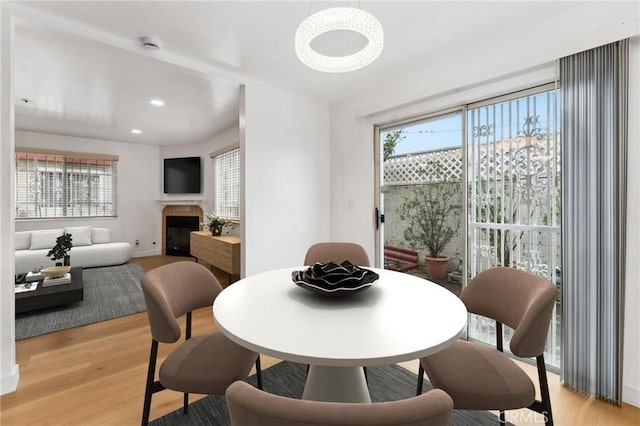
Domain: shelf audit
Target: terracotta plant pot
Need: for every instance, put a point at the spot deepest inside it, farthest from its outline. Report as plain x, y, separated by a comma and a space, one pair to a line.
436, 266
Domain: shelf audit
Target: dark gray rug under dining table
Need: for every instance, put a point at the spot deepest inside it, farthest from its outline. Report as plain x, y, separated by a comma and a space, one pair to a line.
109, 292
386, 383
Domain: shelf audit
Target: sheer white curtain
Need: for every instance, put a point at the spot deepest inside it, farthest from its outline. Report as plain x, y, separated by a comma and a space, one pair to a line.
594, 90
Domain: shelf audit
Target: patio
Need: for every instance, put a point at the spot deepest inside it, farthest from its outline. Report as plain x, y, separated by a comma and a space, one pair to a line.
443, 282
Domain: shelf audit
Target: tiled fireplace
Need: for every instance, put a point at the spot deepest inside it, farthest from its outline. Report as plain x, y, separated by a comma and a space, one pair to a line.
177, 222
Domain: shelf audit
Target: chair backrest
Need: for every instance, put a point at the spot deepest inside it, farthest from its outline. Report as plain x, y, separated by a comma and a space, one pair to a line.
172, 290
519, 299
336, 252
249, 406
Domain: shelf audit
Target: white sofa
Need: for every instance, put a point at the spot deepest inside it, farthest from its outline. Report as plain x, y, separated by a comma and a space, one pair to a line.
91, 247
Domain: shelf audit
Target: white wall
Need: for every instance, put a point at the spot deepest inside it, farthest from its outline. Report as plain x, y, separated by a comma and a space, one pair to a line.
139, 213
284, 142
453, 83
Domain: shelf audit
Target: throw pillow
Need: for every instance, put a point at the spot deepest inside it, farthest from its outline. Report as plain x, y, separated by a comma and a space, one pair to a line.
100, 236
80, 235
44, 239
23, 240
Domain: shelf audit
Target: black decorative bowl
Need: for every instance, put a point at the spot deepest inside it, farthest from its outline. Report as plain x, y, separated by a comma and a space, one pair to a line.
332, 279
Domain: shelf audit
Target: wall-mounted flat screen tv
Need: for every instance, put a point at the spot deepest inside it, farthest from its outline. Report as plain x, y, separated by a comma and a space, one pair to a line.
182, 175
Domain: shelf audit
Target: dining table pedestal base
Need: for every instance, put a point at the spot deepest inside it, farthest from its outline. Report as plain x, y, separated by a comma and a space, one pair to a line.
336, 384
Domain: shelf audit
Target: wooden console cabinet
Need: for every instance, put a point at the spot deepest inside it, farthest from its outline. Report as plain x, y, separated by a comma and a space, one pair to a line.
223, 251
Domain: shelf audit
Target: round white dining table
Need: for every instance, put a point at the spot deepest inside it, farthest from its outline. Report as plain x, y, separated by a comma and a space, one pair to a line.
400, 318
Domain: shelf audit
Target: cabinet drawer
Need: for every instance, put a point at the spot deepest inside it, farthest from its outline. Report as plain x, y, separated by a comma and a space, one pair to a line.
224, 249
225, 264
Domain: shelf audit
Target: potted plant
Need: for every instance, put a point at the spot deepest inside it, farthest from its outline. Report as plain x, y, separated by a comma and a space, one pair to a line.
61, 249
433, 212
216, 224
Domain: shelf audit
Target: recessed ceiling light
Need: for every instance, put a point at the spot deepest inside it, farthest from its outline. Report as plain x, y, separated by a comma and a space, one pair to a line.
136, 131
157, 102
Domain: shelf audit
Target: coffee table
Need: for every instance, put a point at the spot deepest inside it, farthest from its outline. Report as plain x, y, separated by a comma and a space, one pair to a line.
55, 295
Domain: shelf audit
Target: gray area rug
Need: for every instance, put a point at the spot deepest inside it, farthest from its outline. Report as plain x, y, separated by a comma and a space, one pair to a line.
386, 383
109, 292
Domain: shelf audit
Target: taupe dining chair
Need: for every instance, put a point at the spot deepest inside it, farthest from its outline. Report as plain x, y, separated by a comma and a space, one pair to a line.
336, 252
204, 364
480, 377
249, 406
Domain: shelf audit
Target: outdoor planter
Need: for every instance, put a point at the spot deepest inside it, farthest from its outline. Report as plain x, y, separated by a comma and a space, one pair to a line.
436, 267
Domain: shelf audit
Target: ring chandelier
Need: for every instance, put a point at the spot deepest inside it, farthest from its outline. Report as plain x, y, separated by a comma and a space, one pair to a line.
334, 19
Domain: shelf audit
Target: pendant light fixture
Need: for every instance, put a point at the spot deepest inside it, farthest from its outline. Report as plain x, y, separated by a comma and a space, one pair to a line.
335, 19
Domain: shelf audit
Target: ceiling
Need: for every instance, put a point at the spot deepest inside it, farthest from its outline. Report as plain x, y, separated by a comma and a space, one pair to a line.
85, 88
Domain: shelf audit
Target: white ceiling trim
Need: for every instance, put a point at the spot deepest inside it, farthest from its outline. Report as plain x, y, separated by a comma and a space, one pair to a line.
534, 76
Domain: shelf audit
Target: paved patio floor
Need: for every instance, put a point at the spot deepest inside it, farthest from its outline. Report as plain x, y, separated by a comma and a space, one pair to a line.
452, 287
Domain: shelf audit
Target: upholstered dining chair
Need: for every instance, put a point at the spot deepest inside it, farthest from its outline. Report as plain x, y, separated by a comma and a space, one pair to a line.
249, 406
336, 252
204, 364
480, 377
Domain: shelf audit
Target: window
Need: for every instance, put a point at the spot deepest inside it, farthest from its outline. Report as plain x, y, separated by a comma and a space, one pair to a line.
52, 184
226, 167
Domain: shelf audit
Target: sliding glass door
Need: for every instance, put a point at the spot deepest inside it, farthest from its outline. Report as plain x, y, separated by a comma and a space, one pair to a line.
479, 186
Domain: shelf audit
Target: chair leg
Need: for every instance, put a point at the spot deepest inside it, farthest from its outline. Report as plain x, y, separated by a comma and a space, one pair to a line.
544, 391
259, 372
503, 420
187, 336
149, 387
420, 378
366, 376
544, 405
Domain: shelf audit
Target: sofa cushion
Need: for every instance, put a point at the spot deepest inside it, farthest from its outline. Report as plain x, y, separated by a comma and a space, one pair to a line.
80, 235
27, 260
44, 239
100, 235
23, 240
100, 254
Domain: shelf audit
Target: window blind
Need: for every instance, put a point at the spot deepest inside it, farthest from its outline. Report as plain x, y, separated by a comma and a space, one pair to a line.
63, 185
227, 184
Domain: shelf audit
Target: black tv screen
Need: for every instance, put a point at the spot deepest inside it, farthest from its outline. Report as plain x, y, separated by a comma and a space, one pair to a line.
182, 175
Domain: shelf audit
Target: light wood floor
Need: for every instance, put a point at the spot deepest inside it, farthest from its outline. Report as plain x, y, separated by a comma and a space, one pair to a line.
95, 375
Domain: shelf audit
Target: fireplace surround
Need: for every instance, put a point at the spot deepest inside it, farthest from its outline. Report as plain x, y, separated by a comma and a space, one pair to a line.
177, 223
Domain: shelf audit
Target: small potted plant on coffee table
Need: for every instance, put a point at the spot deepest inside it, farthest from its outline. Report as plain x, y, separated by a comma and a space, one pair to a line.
61, 250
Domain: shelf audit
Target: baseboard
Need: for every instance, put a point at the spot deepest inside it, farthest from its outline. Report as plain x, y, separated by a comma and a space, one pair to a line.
9, 383
631, 395
155, 252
